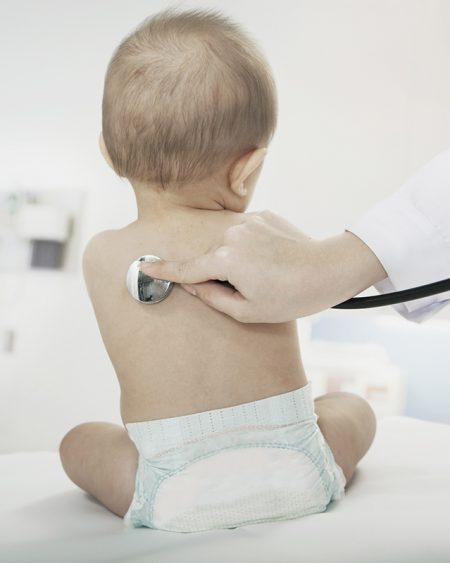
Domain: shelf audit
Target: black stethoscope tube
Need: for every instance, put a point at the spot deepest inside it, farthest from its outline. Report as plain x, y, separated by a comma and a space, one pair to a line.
396, 296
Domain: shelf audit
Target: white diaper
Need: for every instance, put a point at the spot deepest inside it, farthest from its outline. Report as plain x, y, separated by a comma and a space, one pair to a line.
256, 462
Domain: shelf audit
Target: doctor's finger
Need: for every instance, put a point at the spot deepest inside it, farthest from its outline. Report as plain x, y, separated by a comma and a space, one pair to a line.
202, 268
222, 298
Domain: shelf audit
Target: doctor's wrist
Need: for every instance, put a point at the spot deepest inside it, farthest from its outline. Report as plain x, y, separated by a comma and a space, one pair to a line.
352, 266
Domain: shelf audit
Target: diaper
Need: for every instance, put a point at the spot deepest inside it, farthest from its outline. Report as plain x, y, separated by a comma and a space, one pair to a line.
257, 462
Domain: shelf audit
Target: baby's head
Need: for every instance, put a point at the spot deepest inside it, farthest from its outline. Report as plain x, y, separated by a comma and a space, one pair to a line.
188, 97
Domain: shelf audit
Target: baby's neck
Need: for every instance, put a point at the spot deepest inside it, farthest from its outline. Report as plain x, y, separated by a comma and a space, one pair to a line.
172, 217
154, 202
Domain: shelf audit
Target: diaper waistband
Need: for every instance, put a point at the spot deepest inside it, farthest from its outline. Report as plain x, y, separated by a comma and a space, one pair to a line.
278, 410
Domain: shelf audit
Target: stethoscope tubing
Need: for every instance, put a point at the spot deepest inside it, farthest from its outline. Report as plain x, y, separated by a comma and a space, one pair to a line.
396, 296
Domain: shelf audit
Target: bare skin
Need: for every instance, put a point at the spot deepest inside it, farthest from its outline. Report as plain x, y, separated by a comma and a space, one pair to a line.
181, 356
264, 250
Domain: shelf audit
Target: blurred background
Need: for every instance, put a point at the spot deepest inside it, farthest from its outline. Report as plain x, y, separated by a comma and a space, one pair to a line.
364, 94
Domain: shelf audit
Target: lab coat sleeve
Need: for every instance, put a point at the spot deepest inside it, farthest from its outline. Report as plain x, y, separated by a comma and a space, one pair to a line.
410, 234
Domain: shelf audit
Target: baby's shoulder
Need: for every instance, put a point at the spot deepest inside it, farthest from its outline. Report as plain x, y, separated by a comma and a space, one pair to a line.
98, 248
98, 256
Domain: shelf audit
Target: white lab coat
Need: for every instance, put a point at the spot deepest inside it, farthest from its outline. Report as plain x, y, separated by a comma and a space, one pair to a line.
410, 234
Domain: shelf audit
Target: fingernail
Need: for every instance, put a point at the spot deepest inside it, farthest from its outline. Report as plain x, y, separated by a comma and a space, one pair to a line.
189, 288
145, 268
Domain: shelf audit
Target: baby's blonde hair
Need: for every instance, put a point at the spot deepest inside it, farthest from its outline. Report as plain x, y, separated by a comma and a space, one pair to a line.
184, 93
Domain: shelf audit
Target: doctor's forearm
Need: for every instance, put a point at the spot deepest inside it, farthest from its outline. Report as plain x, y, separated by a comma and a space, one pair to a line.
350, 265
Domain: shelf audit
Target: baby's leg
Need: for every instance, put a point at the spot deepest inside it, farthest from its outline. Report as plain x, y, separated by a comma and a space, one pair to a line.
348, 424
100, 458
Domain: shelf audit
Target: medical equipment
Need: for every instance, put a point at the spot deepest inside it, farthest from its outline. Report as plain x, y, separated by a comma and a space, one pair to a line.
152, 290
396, 296
145, 288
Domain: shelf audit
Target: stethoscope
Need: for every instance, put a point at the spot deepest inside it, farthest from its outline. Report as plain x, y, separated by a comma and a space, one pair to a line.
148, 290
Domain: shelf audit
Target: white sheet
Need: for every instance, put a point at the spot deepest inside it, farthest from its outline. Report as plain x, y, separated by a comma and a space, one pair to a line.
395, 511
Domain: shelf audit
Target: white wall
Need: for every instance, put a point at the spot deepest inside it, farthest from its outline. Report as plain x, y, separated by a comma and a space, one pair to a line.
364, 94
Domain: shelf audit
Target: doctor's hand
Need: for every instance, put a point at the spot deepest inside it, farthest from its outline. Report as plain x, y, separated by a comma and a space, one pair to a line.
277, 273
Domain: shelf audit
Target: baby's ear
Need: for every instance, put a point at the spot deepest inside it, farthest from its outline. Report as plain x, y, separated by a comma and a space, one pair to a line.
242, 169
104, 150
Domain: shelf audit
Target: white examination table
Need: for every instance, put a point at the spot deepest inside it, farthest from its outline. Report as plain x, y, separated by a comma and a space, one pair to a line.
396, 510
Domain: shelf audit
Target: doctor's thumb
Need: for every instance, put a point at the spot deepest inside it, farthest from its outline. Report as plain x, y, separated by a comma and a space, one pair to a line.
220, 297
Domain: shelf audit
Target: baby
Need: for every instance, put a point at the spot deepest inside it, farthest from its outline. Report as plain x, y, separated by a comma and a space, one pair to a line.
220, 429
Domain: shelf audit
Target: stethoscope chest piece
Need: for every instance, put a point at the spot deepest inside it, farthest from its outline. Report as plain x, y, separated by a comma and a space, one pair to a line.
146, 289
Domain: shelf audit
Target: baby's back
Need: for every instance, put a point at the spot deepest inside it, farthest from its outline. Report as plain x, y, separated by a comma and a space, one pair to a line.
180, 356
